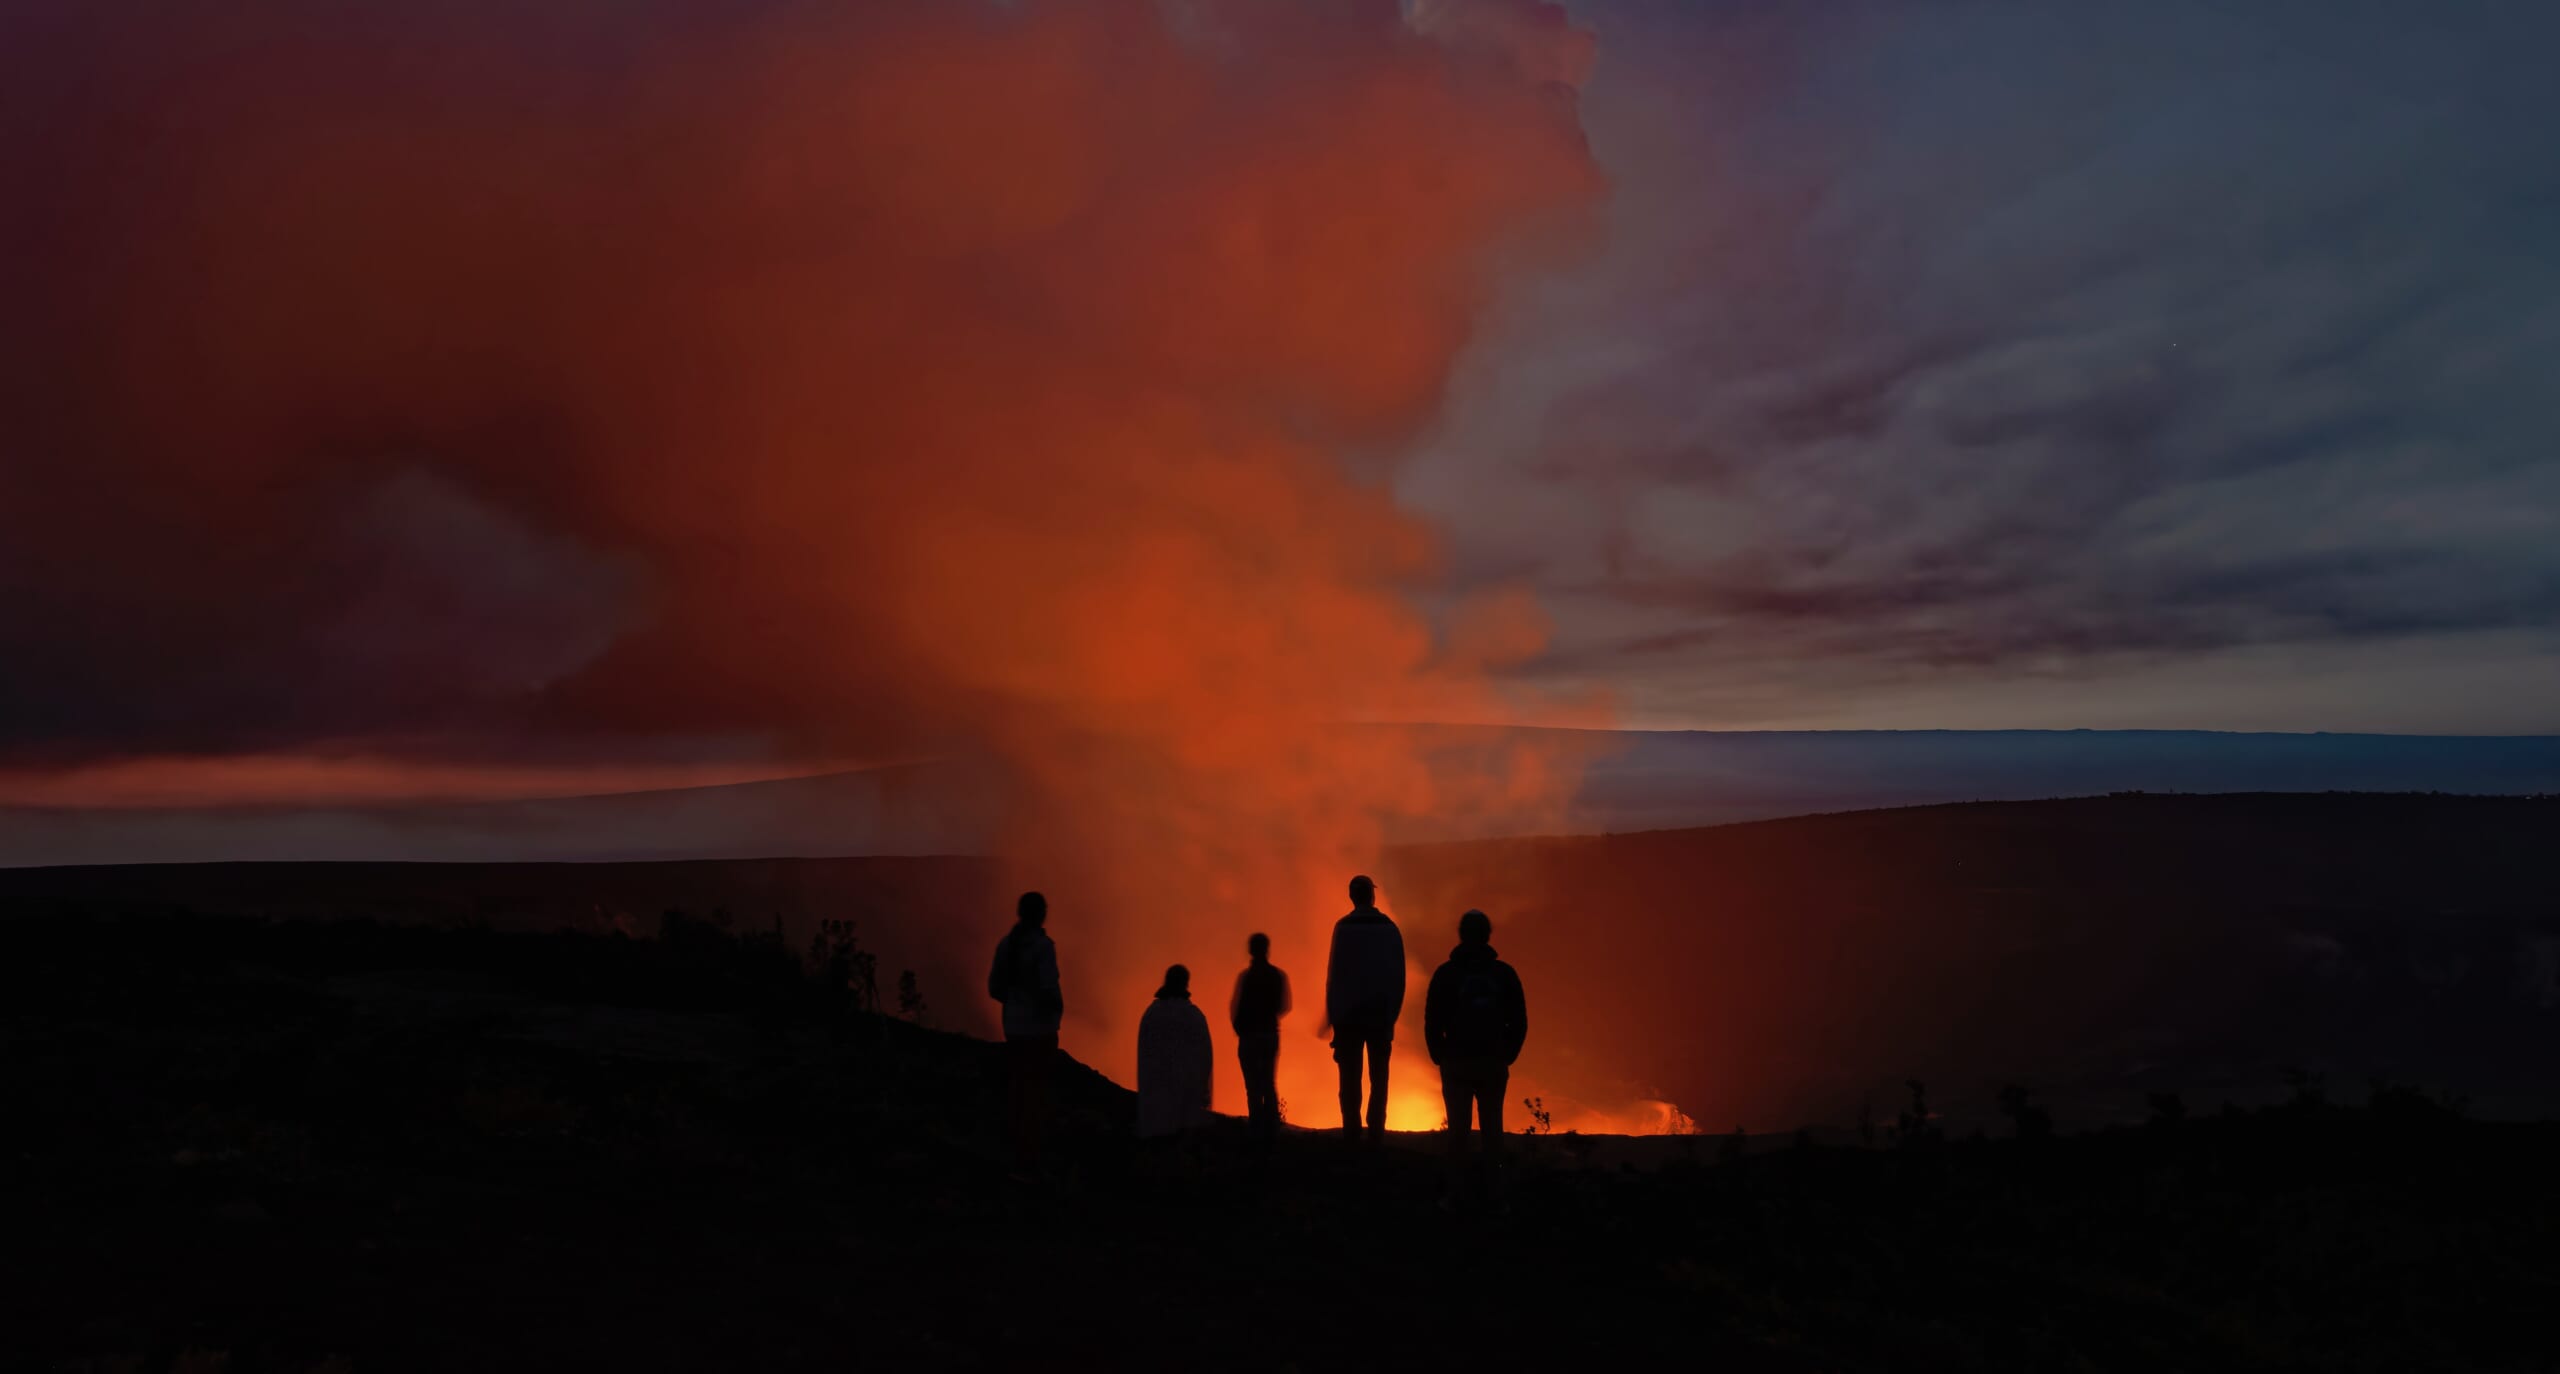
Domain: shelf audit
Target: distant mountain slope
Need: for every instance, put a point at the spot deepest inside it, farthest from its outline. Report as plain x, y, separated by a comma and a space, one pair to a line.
1664, 779
1779, 972
2098, 950
1636, 781
922, 809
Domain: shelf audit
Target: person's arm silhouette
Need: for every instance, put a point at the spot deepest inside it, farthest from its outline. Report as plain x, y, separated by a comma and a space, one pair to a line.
1515, 1019
1396, 978
1051, 992
1332, 980
1437, 1012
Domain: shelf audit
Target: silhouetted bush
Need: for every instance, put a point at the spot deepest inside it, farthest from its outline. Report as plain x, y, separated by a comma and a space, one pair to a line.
838, 960
2027, 1120
2309, 1089
2400, 1103
1917, 1127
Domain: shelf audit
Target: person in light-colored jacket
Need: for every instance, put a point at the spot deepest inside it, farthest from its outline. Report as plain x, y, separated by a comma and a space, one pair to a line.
1174, 1060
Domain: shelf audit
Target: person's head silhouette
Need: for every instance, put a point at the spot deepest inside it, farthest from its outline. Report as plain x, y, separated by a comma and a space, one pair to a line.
1258, 945
1031, 909
1363, 892
1177, 982
1475, 928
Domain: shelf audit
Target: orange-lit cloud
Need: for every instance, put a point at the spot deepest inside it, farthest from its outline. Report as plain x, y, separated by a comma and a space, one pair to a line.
316, 779
859, 380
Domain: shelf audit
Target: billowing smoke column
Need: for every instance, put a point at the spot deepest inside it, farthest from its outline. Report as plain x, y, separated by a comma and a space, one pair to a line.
586, 380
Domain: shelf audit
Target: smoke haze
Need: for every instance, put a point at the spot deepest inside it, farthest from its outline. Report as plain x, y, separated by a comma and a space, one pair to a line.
591, 384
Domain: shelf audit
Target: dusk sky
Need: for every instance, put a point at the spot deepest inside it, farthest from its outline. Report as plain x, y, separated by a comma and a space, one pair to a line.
2177, 364
583, 386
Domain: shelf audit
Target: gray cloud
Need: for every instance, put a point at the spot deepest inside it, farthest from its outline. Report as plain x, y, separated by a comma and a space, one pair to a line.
1989, 342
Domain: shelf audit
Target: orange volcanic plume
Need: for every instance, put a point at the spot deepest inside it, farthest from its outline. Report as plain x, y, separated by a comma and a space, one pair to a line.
866, 380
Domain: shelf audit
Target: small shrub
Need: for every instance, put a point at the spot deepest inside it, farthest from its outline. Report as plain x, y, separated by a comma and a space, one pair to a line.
2309, 1089
2401, 1102
1917, 1126
2027, 1120
838, 961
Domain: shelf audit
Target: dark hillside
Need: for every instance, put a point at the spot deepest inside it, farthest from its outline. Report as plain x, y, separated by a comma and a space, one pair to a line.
2099, 949
292, 1146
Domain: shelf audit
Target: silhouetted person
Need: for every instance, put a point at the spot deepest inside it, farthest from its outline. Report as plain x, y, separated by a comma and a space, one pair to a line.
1474, 1020
1363, 996
1174, 1060
1024, 978
1261, 998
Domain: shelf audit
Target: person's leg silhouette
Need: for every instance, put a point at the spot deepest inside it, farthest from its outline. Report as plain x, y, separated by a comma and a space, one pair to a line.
1458, 1099
1350, 1046
1381, 1046
1258, 1054
1346, 1059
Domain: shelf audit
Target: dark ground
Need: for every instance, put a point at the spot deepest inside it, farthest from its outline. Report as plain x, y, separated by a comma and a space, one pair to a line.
301, 1146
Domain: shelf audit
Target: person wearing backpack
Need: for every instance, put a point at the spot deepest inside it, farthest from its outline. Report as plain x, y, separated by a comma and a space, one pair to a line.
1024, 979
1474, 1020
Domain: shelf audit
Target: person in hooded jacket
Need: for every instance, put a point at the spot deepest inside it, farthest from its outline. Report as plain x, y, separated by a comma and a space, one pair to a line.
1474, 1020
1363, 996
1174, 1060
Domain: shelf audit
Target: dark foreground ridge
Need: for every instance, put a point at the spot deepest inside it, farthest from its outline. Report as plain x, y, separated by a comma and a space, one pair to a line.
300, 1146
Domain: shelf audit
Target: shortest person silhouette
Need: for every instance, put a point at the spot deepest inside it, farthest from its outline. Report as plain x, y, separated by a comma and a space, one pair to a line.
1174, 1061
1474, 1020
1254, 1010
